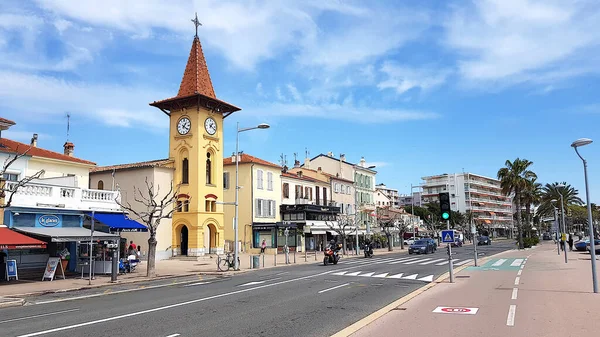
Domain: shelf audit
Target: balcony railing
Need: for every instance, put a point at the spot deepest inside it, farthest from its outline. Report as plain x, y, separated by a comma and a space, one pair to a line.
40, 195
491, 209
493, 201
499, 218
479, 190
483, 183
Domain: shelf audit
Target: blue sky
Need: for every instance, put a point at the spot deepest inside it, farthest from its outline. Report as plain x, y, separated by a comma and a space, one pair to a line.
424, 88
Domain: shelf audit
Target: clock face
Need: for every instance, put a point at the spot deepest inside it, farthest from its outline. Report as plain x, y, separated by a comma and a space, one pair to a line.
184, 125
211, 126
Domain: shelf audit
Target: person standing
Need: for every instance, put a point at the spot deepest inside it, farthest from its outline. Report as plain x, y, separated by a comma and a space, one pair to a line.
570, 242
263, 246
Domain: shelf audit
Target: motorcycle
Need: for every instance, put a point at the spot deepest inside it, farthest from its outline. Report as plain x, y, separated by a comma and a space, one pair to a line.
331, 255
368, 249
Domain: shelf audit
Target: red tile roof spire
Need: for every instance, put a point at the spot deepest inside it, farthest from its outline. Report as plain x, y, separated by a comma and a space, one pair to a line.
196, 79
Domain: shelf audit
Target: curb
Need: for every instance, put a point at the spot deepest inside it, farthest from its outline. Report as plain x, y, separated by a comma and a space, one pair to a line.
383, 311
16, 302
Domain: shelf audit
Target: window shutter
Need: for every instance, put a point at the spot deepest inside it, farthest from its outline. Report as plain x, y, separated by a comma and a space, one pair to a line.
270, 181
258, 207
265, 208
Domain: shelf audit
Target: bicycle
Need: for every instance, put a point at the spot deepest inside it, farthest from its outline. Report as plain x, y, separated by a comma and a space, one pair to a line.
224, 264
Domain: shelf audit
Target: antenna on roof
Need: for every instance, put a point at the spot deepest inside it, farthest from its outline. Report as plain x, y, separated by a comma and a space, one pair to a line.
68, 125
307, 153
295, 157
281, 160
285, 159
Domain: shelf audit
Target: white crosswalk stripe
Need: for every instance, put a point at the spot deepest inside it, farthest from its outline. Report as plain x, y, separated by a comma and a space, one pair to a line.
463, 262
516, 262
399, 276
498, 263
432, 261
404, 260
417, 261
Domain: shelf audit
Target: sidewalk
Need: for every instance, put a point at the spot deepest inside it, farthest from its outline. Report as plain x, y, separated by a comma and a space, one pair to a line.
164, 269
540, 297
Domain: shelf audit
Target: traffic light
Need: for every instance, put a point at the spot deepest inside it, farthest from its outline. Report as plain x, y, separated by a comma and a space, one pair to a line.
445, 205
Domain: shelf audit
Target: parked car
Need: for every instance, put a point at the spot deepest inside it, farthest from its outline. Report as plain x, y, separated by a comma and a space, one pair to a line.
410, 241
484, 240
547, 236
582, 245
596, 246
421, 246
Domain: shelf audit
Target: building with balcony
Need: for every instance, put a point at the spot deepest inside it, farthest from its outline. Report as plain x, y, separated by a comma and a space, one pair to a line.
391, 193
259, 198
382, 200
405, 200
475, 193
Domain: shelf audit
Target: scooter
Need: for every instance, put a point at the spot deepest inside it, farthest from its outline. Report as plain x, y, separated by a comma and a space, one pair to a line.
368, 249
331, 256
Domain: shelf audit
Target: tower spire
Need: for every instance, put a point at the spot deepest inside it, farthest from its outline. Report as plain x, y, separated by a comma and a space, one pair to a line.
196, 78
196, 23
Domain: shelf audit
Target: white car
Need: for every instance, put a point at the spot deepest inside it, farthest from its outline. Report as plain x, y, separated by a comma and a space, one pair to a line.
410, 241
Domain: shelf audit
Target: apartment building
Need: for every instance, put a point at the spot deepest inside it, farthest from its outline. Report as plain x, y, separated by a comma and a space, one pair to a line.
391, 193
409, 200
472, 192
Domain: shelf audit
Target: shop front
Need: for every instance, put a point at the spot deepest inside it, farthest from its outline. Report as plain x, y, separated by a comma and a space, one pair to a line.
315, 224
275, 236
12, 247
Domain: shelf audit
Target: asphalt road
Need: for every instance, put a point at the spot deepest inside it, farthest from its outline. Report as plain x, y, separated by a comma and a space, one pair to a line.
305, 300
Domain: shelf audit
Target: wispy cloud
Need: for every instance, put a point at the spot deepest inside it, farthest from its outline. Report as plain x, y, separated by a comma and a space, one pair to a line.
402, 78
24, 136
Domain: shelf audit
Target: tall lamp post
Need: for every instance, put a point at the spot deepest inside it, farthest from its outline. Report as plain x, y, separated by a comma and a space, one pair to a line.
563, 239
237, 186
575, 145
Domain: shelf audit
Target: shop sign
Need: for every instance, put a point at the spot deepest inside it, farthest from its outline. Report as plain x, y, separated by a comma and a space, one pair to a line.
48, 220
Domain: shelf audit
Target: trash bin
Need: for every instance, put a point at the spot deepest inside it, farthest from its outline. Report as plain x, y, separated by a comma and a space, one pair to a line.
255, 261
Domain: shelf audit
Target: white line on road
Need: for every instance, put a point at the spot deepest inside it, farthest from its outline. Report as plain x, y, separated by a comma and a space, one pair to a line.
285, 272
514, 294
258, 282
510, 320
462, 262
442, 263
519, 272
40, 315
326, 290
499, 263
517, 279
404, 260
516, 262
173, 335
417, 261
132, 314
196, 284
432, 261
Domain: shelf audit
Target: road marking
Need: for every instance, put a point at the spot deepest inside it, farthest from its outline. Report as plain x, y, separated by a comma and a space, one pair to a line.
462, 262
285, 272
340, 273
517, 279
367, 274
173, 335
522, 266
514, 293
40, 315
258, 282
396, 276
426, 278
520, 272
411, 277
132, 314
510, 320
456, 310
499, 263
516, 262
326, 290
196, 284
404, 260
445, 262
417, 261
433, 261
381, 275
353, 273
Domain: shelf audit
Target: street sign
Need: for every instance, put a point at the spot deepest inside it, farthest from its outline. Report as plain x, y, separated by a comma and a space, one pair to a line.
564, 237
456, 310
447, 236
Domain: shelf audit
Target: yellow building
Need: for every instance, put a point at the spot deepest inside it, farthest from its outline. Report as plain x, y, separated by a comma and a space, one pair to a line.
259, 199
196, 150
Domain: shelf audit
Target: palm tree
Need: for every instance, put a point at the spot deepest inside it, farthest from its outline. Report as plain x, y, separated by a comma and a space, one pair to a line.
553, 192
514, 179
531, 196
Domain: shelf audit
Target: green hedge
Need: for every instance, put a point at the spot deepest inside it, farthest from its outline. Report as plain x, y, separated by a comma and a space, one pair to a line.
530, 242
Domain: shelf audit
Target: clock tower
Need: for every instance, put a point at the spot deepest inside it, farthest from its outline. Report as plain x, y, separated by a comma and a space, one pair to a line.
196, 150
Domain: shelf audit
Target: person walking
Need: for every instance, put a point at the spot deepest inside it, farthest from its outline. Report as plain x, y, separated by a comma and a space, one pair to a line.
570, 242
263, 246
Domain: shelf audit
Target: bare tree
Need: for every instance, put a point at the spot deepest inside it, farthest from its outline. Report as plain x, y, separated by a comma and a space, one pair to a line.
391, 221
154, 209
13, 187
345, 225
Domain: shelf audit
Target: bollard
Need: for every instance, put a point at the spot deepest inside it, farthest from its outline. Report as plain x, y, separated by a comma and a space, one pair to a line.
275, 259
251, 262
263, 260
315, 255
294, 256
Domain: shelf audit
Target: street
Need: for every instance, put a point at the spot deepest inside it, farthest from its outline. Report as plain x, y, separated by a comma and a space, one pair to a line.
307, 300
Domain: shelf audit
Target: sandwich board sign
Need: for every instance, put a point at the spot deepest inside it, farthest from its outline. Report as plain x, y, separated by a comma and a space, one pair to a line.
51, 266
447, 236
11, 270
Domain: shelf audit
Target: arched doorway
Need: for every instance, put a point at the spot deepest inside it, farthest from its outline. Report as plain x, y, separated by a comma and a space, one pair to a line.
210, 239
184, 240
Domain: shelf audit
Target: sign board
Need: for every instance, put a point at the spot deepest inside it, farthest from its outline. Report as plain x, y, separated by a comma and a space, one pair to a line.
564, 237
11, 270
456, 310
473, 229
448, 236
51, 266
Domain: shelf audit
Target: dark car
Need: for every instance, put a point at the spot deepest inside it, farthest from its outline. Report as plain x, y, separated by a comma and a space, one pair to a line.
596, 246
582, 245
547, 236
433, 243
484, 240
422, 246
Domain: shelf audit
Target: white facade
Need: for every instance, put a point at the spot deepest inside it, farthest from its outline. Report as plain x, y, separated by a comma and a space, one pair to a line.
382, 200
302, 190
391, 193
471, 192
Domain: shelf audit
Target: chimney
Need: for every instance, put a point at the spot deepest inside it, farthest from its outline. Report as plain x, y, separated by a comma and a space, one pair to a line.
363, 162
69, 147
297, 163
34, 140
284, 169
307, 163
342, 157
319, 169
330, 154
299, 173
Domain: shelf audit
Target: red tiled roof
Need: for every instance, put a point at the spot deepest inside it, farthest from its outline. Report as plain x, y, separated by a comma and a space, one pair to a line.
246, 158
305, 178
196, 79
7, 121
12, 146
143, 164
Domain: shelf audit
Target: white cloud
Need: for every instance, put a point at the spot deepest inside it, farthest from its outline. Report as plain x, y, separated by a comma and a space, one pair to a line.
62, 25
25, 136
402, 79
294, 92
525, 40
107, 104
279, 94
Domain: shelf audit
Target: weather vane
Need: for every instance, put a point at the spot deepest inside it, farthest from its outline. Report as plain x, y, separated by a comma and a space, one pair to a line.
197, 23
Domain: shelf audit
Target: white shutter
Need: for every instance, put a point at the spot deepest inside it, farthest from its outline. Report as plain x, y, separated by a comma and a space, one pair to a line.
265, 207
259, 179
270, 181
258, 207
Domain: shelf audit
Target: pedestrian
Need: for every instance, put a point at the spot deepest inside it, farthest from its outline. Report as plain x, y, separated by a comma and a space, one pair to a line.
263, 245
570, 242
132, 245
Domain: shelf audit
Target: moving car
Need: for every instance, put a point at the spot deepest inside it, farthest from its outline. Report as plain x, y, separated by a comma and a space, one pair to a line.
547, 236
596, 246
433, 243
422, 246
484, 240
582, 245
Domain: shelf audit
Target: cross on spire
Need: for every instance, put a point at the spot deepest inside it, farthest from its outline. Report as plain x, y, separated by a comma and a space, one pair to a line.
196, 23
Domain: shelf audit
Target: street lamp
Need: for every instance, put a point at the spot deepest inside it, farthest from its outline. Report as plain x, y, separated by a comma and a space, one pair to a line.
237, 186
575, 145
557, 225
564, 225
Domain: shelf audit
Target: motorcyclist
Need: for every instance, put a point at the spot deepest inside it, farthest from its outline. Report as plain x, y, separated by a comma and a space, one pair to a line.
333, 245
368, 247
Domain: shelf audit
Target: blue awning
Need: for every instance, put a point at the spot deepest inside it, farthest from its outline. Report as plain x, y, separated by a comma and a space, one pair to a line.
118, 222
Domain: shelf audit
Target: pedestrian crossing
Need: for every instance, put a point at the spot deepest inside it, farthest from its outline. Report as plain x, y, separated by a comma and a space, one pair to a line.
501, 264
400, 276
423, 261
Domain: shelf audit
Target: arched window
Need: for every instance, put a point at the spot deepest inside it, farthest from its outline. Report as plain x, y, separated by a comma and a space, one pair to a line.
208, 169
100, 184
185, 172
